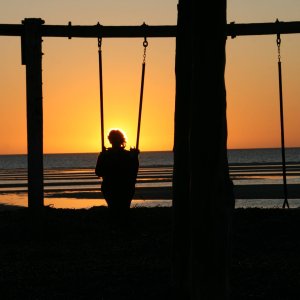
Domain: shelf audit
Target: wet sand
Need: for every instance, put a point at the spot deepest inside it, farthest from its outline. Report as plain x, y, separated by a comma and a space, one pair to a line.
264, 195
262, 191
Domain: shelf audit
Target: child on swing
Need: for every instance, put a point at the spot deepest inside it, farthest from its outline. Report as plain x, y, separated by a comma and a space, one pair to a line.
118, 168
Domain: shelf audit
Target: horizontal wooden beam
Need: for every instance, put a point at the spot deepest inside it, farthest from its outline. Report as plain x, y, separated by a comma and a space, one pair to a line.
109, 31
11, 30
235, 30
162, 31
94, 31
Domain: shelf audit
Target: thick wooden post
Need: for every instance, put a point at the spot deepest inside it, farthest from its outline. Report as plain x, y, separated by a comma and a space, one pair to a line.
203, 198
32, 58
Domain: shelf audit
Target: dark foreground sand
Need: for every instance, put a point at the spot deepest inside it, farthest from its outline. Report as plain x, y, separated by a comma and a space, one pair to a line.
82, 254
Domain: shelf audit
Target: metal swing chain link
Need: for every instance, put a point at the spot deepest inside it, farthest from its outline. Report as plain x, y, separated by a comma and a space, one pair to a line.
99, 38
145, 44
99, 43
278, 41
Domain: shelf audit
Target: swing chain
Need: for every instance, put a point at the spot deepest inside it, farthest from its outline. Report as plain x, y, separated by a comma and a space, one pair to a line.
278, 41
145, 44
99, 43
99, 39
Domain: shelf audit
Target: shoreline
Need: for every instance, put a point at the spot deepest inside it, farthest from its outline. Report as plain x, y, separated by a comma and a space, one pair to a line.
248, 191
246, 196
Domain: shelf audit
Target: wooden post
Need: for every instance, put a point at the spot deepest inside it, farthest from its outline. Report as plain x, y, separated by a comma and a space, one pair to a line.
203, 199
32, 58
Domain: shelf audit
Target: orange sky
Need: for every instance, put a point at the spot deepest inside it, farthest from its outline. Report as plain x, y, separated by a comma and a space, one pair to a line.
71, 84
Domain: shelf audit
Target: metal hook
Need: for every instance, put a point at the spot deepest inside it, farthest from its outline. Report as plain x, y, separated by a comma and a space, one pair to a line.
145, 42
232, 34
278, 40
69, 30
99, 37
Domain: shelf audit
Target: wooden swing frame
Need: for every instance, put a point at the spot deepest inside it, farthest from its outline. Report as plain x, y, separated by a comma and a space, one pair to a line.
32, 30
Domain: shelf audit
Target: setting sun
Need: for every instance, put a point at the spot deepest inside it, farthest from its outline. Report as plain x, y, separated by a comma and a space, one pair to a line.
71, 105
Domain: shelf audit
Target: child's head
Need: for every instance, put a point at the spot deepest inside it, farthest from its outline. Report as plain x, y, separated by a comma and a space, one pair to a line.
117, 138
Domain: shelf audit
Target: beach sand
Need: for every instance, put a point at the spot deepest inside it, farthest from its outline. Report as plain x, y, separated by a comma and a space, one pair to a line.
83, 254
263, 191
264, 195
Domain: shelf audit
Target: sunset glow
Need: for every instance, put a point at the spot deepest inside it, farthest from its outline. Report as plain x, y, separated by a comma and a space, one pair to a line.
71, 102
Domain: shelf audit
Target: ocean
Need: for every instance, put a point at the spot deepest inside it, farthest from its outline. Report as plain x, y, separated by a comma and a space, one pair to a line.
70, 182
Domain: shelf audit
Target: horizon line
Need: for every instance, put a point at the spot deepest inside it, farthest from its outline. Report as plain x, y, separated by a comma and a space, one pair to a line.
55, 153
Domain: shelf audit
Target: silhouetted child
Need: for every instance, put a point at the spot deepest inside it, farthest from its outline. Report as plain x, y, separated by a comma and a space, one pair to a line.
118, 168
